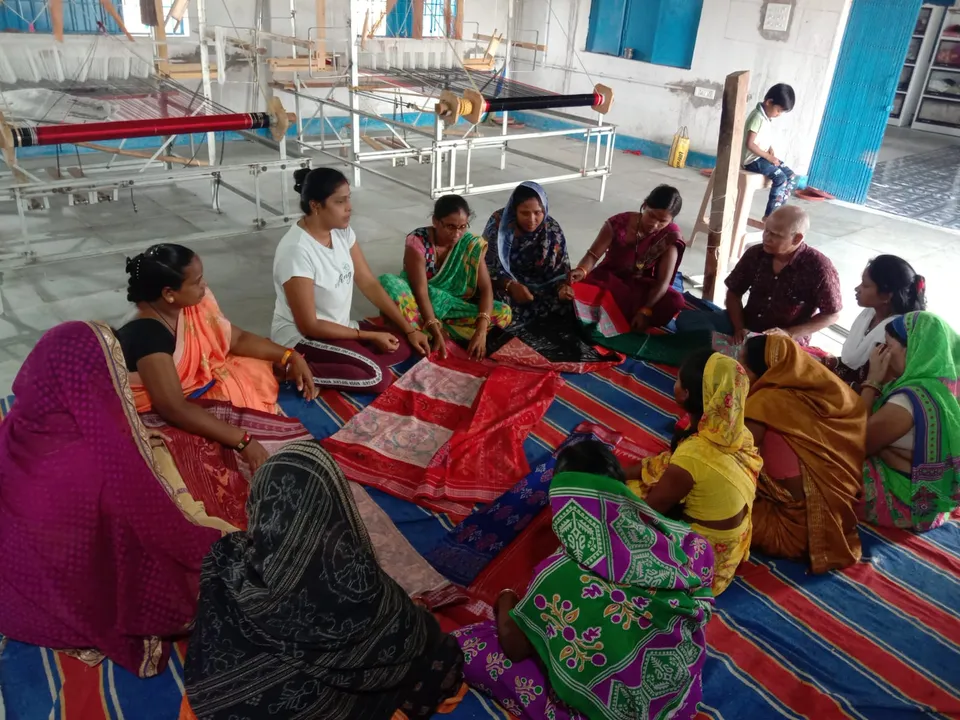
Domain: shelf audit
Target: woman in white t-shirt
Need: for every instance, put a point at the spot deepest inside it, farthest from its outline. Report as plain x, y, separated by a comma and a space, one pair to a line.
889, 287
315, 268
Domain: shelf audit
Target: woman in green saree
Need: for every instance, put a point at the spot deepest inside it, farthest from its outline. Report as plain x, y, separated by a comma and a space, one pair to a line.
613, 623
445, 284
911, 478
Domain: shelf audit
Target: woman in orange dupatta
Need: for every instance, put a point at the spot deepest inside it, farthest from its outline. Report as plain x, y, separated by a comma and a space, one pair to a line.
811, 431
192, 371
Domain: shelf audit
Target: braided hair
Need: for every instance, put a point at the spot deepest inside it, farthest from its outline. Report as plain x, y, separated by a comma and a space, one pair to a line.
161, 266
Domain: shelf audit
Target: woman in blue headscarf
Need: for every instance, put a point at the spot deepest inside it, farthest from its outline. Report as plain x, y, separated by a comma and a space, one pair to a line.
528, 261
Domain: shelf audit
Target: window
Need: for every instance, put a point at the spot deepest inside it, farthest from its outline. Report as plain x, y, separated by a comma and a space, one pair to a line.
79, 17
439, 18
32, 16
662, 32
130, 10
414, 18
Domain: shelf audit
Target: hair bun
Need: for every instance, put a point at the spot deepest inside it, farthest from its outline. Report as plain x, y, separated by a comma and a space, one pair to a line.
299, 178
129, 266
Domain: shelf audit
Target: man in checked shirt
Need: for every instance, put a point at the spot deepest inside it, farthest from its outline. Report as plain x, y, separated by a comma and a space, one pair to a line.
794, 288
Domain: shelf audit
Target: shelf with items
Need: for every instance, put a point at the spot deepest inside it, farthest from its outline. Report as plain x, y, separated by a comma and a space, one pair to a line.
938, 108
913, 74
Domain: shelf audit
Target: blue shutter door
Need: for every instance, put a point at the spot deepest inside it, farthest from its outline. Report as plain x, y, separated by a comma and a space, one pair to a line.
676, 35
861, 97
605, 32
642, 27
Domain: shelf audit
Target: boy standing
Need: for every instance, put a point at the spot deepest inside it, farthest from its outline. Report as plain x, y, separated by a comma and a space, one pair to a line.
758, 154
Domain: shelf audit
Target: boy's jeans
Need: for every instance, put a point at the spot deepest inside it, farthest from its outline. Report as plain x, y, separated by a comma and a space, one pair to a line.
782, 177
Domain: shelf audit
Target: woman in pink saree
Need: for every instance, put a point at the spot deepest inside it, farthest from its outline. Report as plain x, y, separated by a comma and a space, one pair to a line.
100, 546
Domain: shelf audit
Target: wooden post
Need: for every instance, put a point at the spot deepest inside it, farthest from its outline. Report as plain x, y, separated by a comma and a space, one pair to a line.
725, 177
160, 34
321, 40
56, 18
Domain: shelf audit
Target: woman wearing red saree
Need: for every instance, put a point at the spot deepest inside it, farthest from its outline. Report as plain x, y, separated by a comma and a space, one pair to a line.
100, 548
625, 278
208, 385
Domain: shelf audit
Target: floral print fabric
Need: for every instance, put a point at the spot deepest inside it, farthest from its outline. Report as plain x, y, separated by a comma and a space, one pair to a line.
617, 615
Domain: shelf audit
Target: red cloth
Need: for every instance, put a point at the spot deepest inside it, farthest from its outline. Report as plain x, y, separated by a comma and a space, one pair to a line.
807, 284
518, 354
627, 274
217, 476
513, 567
448, 434
94, 552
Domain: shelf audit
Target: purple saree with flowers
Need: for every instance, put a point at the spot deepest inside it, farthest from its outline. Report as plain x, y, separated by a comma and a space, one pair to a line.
617, 616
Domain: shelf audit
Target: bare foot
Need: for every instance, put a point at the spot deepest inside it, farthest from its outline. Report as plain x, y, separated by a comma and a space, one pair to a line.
515, 644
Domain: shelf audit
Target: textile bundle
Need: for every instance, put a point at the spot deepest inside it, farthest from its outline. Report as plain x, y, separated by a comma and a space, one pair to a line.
425, 438
215, 475
470, 547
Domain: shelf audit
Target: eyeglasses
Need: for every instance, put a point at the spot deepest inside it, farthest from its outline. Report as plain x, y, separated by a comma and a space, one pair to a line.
449, 227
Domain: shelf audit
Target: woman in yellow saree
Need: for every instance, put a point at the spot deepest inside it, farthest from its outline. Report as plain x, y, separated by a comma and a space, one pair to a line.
711, 474
811, 429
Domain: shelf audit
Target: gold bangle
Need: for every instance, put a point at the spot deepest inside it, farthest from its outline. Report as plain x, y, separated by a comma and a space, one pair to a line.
506, 288
646, 312
286, 357
873, 386
484, 316
592, 254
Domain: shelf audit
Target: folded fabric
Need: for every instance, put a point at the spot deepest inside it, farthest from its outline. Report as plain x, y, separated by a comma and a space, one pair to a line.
666, 349
466, 550
215, 475
448, 434
549, 343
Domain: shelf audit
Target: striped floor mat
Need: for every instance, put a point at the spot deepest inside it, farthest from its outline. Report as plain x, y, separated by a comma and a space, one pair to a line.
878, 641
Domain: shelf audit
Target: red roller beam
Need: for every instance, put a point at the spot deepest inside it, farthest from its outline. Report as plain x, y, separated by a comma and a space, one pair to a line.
98, 132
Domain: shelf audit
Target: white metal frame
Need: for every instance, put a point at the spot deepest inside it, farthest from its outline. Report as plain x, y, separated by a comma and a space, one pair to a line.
32, 193
451, 158
437, 148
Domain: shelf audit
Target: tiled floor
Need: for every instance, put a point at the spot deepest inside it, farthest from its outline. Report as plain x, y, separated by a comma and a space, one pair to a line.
238, 263
918, 176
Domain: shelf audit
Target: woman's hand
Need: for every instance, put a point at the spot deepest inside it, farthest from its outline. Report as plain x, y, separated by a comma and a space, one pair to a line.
879, 365
384, 342
438, 343
156, 438
640, 322
255, 455
477, 349
520, 294
576, 275
419, 342
299, 371
566, 292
